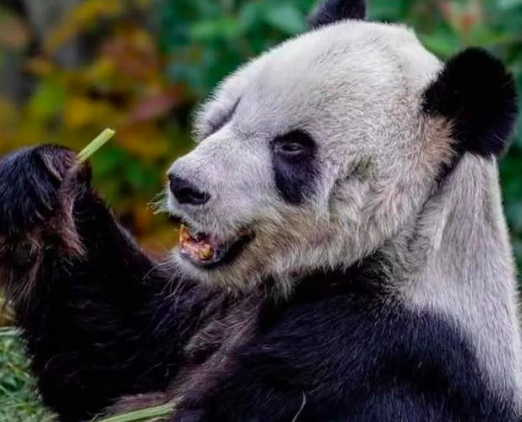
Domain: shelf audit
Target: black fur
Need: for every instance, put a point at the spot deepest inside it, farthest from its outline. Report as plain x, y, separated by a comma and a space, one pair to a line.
105, 323
27, 183
332, 11
94, 323
478, 95
295, 172
346, 352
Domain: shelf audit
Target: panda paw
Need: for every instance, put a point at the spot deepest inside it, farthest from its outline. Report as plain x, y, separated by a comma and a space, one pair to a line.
34, 183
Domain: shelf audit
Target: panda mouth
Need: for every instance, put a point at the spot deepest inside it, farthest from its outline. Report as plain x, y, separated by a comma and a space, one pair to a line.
205, 250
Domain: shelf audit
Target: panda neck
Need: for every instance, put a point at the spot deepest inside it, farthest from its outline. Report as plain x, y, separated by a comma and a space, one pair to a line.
458, 263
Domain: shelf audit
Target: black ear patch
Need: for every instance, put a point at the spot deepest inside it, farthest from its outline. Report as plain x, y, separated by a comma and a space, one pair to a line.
478, 95
332, 11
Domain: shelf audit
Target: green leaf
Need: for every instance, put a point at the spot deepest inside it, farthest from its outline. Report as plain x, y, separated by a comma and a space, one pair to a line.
48, 100
509, 4
443, 45
252, 14
209, 30
286, 17
387, 10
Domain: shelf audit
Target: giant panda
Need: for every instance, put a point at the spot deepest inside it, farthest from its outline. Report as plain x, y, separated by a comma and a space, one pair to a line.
344, 255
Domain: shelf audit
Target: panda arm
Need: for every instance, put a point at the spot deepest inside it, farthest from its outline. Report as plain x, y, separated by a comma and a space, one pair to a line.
87, 299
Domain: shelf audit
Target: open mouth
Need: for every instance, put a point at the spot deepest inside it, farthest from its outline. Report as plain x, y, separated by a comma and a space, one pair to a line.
207, 251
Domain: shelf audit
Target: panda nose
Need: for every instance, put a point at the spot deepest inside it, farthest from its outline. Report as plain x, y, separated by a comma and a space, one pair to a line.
186, 193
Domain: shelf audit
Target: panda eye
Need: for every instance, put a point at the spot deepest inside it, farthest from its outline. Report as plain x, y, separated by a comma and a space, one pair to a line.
293, 144
292, 148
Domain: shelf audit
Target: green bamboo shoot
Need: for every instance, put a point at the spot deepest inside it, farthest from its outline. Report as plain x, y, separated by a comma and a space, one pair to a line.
95, 145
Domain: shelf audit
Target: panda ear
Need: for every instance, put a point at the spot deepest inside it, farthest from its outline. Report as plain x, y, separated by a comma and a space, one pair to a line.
332, 11
477, 94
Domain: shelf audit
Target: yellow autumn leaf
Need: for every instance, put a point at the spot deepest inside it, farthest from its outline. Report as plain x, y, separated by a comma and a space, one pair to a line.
81, 111
101, 70
39, 66
8, 113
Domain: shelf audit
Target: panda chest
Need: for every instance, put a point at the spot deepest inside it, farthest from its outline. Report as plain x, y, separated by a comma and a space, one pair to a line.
228, 329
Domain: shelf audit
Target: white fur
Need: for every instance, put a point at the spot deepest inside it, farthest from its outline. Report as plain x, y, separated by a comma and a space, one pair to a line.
466, 272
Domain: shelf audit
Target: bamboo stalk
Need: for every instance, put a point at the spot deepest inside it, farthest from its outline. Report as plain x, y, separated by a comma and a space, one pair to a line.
95, 145
153, 413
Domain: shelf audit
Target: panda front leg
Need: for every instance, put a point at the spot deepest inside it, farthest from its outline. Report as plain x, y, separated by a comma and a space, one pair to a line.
80, 286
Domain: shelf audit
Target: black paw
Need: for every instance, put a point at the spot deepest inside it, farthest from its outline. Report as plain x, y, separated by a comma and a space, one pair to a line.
31, 182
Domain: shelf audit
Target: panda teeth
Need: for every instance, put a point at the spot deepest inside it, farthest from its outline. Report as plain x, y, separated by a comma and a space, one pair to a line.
198, 246
206, 253
207, 250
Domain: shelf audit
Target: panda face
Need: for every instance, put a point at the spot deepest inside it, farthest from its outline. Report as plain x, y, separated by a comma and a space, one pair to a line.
309, 157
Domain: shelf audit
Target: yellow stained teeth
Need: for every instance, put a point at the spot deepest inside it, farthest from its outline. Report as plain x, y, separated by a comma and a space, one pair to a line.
206, 252
203, 251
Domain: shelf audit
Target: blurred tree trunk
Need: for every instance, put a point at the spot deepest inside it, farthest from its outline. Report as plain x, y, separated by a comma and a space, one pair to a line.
11, 85
45, 16
13, 51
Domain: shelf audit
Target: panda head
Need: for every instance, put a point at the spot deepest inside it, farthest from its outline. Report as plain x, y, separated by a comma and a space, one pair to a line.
317, 153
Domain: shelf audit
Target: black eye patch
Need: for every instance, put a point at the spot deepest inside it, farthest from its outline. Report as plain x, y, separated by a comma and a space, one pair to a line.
294, 160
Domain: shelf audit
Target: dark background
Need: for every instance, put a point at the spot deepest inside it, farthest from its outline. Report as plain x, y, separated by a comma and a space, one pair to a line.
70, 68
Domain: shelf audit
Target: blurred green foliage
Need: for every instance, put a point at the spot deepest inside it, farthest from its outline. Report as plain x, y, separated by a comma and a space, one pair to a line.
17, 403
142, 66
